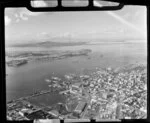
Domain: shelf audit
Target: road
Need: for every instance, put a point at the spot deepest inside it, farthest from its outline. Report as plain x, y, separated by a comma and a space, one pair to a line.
88, 100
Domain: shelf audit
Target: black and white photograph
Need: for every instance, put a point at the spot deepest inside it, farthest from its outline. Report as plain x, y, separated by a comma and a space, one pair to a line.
76, 64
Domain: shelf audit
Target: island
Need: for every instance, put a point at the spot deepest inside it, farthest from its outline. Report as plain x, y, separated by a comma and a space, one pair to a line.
21, 58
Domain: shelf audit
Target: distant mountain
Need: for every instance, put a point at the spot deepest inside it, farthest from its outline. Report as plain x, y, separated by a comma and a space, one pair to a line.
48, 44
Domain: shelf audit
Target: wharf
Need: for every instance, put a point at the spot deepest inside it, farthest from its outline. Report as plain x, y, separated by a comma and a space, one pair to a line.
64, 92
41, 93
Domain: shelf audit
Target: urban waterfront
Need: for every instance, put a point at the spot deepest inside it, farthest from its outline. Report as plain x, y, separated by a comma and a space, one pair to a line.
91, 81
76, 65
116, 55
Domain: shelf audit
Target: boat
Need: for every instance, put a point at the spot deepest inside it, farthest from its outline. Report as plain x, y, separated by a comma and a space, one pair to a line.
47, 80
56, 78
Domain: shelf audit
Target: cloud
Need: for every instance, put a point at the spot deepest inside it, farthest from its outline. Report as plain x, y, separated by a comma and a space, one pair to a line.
7, 20
120, 19
44, 33
126, 16
23, 17
17, 17
137, 13
19, 14
24, 14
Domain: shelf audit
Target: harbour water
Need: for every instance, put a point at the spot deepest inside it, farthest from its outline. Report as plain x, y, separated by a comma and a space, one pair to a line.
22, 81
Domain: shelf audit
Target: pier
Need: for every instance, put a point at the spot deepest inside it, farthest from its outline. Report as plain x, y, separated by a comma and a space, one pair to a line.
41, 93
64, 92
38, 94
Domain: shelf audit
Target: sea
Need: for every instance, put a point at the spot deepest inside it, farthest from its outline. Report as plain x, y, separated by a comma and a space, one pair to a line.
22, 81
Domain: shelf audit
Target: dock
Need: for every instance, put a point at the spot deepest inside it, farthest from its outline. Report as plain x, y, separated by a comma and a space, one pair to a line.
41, 93
35, 94
64, 92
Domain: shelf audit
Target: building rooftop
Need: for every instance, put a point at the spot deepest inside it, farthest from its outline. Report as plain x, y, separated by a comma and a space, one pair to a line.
54, 112
80, 107
76, 84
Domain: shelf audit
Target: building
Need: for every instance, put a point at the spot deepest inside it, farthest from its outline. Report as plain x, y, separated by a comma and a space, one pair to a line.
54, 113
9, 118
80, 107
76, 87
25, 110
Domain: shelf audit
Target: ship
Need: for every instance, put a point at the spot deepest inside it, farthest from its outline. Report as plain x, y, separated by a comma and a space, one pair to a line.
55, 78
47, 80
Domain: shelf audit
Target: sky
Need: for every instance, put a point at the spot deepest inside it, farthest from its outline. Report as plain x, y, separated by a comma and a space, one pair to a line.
22, 25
